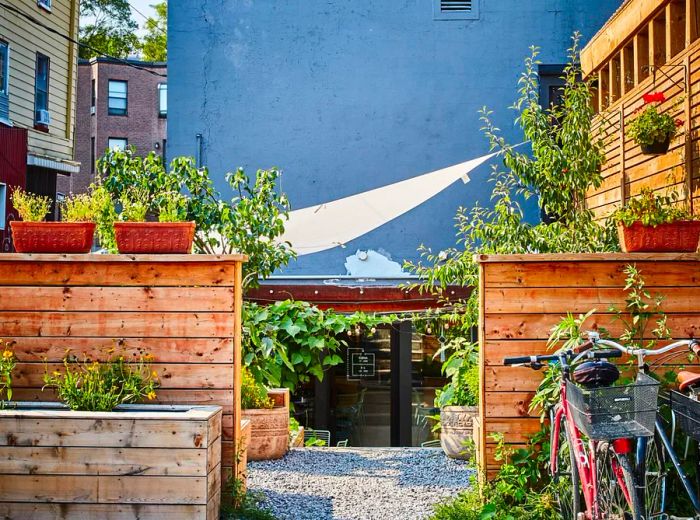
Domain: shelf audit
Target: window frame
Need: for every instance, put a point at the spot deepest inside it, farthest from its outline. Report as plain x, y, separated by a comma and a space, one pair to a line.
93, 96
162, 87
93, 154
124, 139
44, 4
39, 57
117, 111
5, 83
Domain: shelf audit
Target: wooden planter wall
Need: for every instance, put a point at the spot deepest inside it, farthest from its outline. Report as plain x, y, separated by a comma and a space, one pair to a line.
138, 462
657, 33
523, 296
183, 309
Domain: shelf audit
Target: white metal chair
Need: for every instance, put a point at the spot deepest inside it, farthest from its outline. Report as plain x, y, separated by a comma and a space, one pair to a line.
323, 435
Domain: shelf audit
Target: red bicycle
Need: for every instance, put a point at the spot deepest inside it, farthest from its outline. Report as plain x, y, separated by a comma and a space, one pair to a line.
594, 428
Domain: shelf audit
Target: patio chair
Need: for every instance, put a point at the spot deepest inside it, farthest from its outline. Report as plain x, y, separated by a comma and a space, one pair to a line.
431, 444
342, 444
323, 435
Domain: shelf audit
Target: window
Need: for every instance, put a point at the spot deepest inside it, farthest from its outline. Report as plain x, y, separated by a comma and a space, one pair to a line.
163, 100
45, 4
41, 91
93, 154
3, 205
120, 143
93, 98
4, 81
455, 9
117, 103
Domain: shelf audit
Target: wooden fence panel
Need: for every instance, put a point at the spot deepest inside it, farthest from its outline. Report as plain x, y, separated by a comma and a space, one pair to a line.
523, 296
182, 309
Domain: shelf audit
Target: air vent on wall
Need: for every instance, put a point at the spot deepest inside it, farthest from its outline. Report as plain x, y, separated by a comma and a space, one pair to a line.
456, 9
455, 6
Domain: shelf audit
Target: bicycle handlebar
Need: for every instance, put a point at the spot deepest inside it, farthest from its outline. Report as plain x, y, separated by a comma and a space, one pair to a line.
595, 339
535, 360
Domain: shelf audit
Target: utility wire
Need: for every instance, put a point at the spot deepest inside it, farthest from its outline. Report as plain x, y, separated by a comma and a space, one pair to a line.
147, 18
76, 42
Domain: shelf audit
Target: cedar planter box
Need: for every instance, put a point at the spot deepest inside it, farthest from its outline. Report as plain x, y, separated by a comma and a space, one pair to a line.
269, 436
139, 461
676, 237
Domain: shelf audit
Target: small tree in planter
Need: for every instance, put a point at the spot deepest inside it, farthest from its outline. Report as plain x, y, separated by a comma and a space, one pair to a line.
74, 234
458, 400
656, 224
651, 129
269, 418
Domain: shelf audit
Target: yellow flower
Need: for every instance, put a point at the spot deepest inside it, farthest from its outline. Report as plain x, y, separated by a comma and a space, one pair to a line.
7, 354
56, 373
148, 357
154, 374
151, 395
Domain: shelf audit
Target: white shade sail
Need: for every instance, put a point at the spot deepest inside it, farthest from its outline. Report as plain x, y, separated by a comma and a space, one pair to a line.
335, 223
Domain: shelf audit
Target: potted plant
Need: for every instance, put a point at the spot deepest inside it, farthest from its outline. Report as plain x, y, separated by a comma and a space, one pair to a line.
96, 453
656, 224
651, 129
74, 234
172, 233
269, 418
459, 398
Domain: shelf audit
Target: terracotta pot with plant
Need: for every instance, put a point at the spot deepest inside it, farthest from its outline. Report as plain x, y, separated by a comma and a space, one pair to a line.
651, 129
170, 234
269, 417
656, 224
74, 234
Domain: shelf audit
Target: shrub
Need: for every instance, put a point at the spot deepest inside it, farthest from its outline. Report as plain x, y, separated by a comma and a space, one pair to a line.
135, 203
86, 207
101, 387
31, 207
462, 370
650, 126
253, 393
172, 207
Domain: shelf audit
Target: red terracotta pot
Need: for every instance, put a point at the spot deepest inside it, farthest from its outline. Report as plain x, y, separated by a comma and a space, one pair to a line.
52, 237
677, 237
154, 237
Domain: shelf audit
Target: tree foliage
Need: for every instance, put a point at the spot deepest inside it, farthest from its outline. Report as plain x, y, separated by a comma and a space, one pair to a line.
154, 44
110, 28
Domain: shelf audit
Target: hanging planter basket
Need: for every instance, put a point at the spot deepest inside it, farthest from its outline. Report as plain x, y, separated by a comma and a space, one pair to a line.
676, 237
657, 148
52, 237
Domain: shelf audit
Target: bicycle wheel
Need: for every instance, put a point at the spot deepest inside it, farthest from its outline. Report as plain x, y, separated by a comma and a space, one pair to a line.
655, 473
616, 483
566, 478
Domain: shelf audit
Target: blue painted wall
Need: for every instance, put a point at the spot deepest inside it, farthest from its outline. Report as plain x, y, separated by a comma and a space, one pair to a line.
350, 95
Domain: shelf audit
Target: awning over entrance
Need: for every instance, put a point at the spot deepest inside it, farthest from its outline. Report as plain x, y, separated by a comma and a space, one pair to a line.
65, 167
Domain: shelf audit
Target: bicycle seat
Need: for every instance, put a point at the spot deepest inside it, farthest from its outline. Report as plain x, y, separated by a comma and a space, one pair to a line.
686, 379
594, 374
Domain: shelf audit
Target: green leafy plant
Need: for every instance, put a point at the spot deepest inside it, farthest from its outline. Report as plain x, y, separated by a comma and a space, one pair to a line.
86, 207
314, 441
101, 387
136, 204
651, 126
287, 343
652, 210
462, 370
172, 207
240, 503
8, 362
250, 222
31, 207
253, 393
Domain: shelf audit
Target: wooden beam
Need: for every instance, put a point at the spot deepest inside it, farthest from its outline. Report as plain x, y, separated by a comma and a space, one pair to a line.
623, 25
627, 69
675, 28
691, 21
687, 115
615, 79
657, 41
641, 56
603, 88
623, 172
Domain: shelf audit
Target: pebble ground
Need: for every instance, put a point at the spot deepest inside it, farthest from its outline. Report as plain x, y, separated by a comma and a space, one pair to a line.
357, 483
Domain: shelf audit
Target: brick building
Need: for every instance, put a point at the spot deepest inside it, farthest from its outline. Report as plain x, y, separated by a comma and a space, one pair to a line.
118, 105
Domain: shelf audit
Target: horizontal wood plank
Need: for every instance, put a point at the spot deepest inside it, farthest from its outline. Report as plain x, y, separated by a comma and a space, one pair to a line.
29, 511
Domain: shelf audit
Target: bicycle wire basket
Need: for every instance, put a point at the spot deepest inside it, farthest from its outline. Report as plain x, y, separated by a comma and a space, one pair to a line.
687, 412
615, 412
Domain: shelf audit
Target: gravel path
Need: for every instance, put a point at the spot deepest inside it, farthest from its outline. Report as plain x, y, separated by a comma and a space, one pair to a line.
357, 483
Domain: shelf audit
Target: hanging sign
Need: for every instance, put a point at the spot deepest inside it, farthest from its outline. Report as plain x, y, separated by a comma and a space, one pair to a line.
361, 364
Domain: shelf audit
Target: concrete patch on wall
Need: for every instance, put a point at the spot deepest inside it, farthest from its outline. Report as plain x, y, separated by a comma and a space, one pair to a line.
373, 264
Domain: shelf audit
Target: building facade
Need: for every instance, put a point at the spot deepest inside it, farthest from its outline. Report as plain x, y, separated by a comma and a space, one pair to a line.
38, 78
119, 104
350, 96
